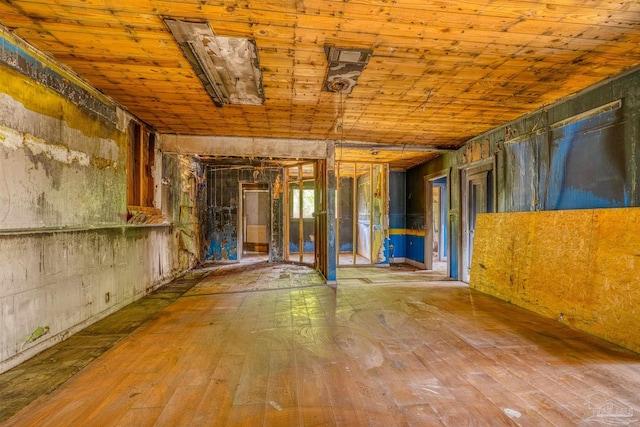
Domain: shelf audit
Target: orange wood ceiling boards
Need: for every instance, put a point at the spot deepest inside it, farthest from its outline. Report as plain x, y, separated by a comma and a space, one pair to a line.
441, 71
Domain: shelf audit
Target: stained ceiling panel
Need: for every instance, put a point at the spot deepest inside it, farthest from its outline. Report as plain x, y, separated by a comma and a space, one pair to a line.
228, 67
440, 72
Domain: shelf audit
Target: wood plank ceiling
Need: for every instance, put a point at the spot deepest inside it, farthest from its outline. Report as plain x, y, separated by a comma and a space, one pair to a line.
441, 71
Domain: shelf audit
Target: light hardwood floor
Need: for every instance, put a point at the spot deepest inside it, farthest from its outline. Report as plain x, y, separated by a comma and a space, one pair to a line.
270, 345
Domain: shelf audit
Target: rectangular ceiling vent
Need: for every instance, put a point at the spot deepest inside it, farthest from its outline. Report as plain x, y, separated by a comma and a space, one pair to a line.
345, 66
227, 66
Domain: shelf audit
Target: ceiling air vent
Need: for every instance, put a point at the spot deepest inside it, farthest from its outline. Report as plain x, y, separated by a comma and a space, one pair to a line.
345, 66
227, 66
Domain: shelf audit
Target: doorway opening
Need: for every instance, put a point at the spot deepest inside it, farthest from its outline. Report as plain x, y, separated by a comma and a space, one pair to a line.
301, 217
362, 213
254, 227
437, 224
477, 197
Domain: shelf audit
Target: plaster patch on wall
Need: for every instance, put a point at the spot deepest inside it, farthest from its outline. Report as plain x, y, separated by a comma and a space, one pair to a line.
60, 153
10, 138
67, 181
16, 118
14, 140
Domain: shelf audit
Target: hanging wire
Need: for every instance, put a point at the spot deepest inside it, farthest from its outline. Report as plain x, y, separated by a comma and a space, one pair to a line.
341, 124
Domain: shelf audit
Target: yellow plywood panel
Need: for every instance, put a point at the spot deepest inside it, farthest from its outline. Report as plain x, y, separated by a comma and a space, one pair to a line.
579, 267
614, 272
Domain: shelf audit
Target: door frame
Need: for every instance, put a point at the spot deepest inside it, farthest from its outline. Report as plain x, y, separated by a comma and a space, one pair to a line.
321, 218
241, 219
428, 214
467, 173
353, 206
317, 214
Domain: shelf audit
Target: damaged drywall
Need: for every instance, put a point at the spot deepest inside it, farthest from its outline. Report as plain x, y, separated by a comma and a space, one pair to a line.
66, 280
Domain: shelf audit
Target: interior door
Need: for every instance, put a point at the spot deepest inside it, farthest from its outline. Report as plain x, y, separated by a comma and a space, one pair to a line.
477, 204
477, 199
436, 218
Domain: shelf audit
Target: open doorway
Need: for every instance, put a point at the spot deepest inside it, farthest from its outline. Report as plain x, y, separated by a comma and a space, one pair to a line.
254, 225
362, 213
436, 223
301, 218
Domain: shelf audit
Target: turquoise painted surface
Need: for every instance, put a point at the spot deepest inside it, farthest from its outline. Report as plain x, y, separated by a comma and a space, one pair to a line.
399, 242
415, 248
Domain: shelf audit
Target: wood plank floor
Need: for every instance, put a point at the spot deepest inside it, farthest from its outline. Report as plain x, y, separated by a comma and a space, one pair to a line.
270, 346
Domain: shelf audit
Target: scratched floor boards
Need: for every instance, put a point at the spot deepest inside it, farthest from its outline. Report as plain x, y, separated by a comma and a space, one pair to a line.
273, 346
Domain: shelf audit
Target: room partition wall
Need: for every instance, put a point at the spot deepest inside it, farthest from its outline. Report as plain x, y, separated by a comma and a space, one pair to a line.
362, 210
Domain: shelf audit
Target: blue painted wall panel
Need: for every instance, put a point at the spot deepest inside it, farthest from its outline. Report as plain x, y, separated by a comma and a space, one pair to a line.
223, 236
397, 220
453, 259
399, 242
415, 248
588, 164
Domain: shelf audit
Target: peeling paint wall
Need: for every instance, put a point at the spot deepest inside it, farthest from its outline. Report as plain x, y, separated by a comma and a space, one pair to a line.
64, 281
68, 255
184, 190
29, 62
61, 160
